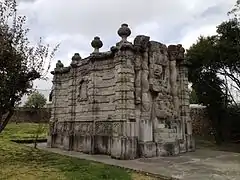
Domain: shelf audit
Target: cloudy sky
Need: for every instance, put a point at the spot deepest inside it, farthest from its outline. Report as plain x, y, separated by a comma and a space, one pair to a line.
74, 23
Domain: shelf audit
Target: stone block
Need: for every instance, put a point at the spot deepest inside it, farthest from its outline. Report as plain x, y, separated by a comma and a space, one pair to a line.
172, 148
145, 131
67, 142
102, 144
83, 144
147, 149
131, 145
191, 146
183, 146
57, 141
160, 150
124, 148
50, 141
168, 148
116, 148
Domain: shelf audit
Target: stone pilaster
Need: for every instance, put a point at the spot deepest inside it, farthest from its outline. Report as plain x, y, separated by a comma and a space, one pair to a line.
53, 120
186, 139
124, 139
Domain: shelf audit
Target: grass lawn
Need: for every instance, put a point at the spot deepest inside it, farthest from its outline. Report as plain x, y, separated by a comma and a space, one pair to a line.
19, 162
22, 131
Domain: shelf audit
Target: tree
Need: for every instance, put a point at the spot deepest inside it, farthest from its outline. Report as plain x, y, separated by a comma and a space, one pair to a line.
214, 68
20, 63
193, 97
36, 101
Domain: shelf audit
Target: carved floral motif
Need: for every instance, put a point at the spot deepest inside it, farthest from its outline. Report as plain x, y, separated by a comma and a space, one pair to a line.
103, 128
83, 128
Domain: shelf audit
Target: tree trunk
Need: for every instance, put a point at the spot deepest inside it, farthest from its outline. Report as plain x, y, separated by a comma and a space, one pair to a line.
219, 136
215, 122
35, 141
4, 121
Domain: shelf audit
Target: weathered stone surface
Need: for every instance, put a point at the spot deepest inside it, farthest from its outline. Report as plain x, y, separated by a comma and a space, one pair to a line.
131, 101
147, 149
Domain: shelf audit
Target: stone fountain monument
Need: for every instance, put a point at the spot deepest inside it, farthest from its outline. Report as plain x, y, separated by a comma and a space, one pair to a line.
129, 102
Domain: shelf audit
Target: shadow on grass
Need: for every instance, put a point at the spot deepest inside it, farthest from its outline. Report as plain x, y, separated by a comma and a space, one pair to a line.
28, 141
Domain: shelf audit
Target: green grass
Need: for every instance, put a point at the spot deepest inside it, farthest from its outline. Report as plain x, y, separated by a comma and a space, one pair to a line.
19, 162
22, 131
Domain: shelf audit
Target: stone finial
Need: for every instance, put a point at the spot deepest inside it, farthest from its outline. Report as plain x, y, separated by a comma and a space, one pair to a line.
96, 44
124, 31
59, 65
76, 57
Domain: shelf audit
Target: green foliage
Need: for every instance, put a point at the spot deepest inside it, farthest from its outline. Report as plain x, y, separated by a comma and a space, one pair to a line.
214, 66
36, 100
235, 10
21, 162
24, 131
20, 63
193, 97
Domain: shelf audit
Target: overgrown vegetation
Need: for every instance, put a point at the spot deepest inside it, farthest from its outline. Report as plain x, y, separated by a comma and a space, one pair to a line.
20, 63
214, 70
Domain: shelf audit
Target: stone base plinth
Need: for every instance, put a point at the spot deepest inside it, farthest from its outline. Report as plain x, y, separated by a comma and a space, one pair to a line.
83, 144
60, 141
102, 144
183, 146
55, 141
124, 148
49, 141
168, 148
147, 149
67, 142
191, 146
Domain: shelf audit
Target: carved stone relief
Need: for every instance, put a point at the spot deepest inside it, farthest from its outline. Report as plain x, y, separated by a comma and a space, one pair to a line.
172, 49
103, 128
117, 128
137, 67
59, 127
83, 128
83, 90
141, 70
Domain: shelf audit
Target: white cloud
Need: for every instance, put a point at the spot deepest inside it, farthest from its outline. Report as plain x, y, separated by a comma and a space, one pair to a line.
74, 23
193, 35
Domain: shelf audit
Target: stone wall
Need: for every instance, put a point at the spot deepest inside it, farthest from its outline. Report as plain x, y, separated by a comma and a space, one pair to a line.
200, 121
29, 115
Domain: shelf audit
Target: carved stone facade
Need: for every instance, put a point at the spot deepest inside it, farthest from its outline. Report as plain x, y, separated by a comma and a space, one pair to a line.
128, 103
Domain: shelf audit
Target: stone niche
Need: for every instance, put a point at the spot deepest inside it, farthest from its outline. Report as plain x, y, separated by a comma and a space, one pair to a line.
129, 102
